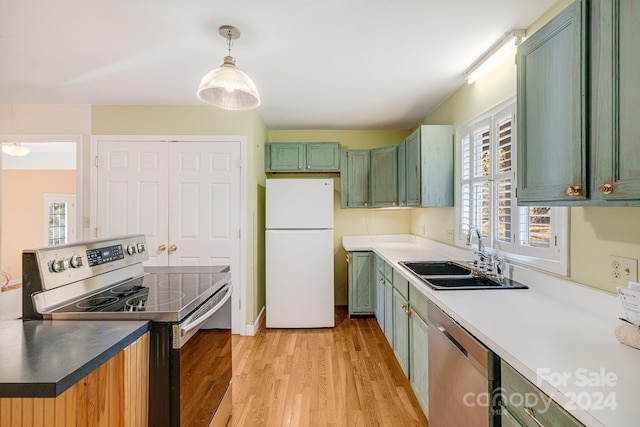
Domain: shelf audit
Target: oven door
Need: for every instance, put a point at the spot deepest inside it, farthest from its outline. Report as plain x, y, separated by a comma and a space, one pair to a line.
201, 381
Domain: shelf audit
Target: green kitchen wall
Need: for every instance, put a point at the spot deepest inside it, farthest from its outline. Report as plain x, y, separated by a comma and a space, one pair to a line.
595, 232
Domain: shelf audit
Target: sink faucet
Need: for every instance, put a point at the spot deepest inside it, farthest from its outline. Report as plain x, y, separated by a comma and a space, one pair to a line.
478, 233
481, 261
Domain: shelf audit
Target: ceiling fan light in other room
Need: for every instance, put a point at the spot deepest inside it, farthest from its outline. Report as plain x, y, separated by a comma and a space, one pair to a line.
15, 149
227, 87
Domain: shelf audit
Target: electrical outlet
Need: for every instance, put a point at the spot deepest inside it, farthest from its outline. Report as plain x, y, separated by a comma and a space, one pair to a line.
450, 233
621, 269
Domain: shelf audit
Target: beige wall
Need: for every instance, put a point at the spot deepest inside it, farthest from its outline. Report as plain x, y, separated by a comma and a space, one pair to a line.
595, 233
351, 222
23, 217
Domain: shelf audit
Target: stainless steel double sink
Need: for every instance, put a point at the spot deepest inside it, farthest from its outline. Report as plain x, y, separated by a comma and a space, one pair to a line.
456, 275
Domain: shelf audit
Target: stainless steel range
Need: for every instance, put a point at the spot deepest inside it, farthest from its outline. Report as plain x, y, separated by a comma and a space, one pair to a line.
189, 309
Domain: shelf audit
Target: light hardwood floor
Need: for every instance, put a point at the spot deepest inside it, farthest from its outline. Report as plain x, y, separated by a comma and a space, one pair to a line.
345, 376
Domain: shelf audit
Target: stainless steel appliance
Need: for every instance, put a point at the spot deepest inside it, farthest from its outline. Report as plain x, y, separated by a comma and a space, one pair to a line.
464, 376
189, 310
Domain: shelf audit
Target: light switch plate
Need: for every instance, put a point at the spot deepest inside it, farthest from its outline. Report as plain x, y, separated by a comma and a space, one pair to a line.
622, 270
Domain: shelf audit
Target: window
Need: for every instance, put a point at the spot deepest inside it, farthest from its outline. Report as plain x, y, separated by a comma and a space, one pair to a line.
60, 218
486, 165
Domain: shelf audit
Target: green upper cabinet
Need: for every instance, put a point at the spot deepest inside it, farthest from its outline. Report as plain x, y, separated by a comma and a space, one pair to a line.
615, 128
425, 167
402, 173
354, 179
551, 110
284, 157
384, 176
312, 157
323, 156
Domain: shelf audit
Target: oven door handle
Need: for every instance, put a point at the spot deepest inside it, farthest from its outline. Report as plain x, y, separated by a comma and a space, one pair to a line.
204, 317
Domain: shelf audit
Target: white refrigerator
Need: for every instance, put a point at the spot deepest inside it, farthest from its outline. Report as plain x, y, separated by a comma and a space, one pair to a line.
299, 253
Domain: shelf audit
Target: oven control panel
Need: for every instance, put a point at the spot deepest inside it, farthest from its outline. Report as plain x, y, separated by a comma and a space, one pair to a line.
60, 265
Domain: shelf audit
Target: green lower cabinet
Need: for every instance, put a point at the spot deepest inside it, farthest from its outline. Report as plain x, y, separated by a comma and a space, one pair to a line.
362, 291
401, 330
379, 278
388, 310
419, 359
541, 410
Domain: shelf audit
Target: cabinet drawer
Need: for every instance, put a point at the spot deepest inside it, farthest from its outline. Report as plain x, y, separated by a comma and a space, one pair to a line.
418, 302
546, 411
401, 284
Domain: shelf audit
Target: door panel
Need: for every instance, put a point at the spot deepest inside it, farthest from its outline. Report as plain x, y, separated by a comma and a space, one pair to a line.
204, 214
133, 193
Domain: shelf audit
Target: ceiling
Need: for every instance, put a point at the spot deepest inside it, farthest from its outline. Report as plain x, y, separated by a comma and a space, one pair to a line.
318, 64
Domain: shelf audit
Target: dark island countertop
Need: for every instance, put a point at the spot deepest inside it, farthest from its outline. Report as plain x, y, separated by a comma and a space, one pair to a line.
43, 358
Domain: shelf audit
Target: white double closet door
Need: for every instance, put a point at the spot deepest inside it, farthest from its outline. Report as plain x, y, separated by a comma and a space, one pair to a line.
183, 196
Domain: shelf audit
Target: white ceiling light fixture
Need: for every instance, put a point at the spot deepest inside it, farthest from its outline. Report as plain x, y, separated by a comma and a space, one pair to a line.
15, 149
505, 46
227, 87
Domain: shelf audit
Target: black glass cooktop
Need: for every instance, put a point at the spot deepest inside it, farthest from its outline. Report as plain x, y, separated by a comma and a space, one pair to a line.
172, 294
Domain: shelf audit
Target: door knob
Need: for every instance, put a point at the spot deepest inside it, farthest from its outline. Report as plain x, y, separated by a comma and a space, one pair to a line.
173, 248
162, 248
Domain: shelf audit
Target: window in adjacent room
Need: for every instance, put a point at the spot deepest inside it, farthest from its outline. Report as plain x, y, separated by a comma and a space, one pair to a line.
59, 219
485, 179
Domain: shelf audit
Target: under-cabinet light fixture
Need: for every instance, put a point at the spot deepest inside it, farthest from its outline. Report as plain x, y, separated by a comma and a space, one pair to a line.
505, 46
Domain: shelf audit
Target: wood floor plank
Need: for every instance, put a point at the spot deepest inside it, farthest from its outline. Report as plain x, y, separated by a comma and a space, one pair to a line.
344, 376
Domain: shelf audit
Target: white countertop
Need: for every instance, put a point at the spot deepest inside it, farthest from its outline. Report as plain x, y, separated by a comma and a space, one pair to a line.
554, 328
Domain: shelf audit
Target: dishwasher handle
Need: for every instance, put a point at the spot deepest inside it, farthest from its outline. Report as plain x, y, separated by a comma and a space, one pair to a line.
453, 341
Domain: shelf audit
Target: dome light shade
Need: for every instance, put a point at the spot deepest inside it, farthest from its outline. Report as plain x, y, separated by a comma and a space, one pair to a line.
15, 149
227, 87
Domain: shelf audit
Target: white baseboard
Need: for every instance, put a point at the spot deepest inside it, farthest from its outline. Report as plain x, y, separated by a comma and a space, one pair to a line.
252, 328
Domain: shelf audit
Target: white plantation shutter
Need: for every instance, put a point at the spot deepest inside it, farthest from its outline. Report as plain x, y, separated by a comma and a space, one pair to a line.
487, 196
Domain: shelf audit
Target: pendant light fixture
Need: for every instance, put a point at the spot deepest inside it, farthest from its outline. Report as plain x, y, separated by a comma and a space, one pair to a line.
15, 149
227, 87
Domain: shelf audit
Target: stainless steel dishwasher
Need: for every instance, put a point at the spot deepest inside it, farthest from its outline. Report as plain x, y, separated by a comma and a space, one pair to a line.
464, 376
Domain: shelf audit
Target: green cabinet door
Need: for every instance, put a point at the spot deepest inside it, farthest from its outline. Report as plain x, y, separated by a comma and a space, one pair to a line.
551, 110
388, 309
614, 118
425, 167
354, 179
379, 279
402, 173
323, 156
413, 175
384, 177
284, 157
401, 331
362, 291
419, 359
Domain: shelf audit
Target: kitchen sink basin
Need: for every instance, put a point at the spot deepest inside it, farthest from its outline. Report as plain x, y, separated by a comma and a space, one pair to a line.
437, 268
452, 275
